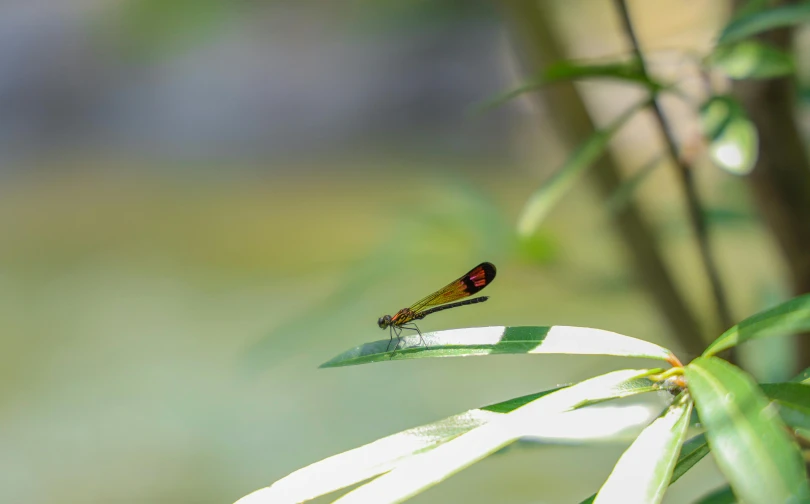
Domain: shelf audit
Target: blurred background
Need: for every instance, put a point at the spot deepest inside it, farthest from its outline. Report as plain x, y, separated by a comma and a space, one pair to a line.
203, 200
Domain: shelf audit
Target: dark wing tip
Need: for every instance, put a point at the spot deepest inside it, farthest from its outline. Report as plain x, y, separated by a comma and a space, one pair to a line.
489, 270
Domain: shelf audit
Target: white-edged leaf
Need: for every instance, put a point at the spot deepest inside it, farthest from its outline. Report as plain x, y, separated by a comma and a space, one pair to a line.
492, 340
790, 317
552, 190
353, 466
427, 469
643, 472
692, 452
747, 437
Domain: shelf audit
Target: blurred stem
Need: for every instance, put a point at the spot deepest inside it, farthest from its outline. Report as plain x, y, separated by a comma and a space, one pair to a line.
696, 213
529, 25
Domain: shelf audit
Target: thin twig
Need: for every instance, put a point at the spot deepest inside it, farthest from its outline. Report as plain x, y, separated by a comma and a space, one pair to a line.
696, 214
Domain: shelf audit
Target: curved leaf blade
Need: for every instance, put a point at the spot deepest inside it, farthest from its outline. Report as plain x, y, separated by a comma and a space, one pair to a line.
473, 341
552, 190
644, 470
692, 452
561, 71
751, 59
790, 317
764, 20
353, 466
746, 436
427, 469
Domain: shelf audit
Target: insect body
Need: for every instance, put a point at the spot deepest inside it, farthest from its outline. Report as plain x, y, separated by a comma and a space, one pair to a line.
443, 299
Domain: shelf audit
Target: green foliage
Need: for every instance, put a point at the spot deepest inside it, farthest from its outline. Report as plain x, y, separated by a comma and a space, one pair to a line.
502, 340
751, 59
762, 20
743, 427
749, 429
552, 191
790, 317
733, 138
746, 435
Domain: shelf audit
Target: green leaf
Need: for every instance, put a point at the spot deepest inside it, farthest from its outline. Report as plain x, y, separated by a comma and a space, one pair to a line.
747, 438
373, 459
793, 400
721, 496
552, 190
427, 469
751, 59
643, 472
364, 462
692, 452
503, 340
790, 317
803, 377
764, 20
560, 71
733, 137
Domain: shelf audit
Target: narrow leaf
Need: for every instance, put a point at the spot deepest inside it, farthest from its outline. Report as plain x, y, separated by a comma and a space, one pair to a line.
764, 20
747, 438
751, 59
643, 472
427, 469
364, 462
721, 496
561, 71
692, 452
503, 340
552, 191
793, 400
790, 317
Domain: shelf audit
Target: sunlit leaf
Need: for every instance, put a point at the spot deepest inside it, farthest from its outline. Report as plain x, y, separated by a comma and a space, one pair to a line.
790, 317
721, 496
747, 437
630, 71
364, 462
552, 190
692, 452
733, 137
354, 466
643, 472
751, 59
503, 340
427, 469
764, 20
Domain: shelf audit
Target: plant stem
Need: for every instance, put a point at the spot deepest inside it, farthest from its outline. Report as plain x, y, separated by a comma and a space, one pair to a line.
695, 208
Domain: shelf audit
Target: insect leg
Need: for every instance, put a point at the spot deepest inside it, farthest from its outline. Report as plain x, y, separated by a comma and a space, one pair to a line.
391, 334
414, 327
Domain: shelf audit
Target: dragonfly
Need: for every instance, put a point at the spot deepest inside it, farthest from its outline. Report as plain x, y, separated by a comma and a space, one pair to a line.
443, 299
